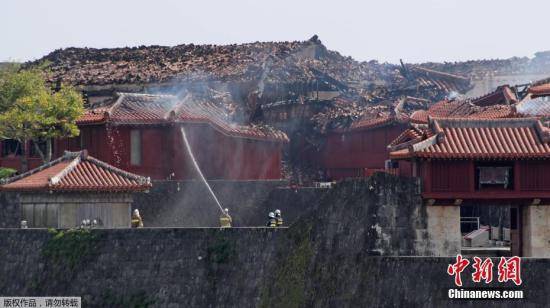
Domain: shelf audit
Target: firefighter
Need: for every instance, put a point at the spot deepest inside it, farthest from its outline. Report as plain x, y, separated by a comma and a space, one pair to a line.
278, 218
225, 219
271, 220
137, 222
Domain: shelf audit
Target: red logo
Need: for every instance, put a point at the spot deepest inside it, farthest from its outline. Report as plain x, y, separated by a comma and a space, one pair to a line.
508, 269
457, 268
484, 270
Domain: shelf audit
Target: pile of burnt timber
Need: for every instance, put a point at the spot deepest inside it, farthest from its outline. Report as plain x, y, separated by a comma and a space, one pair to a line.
481, 69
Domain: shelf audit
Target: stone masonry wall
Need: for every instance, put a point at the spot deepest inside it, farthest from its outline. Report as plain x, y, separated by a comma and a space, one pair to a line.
10, 214
444, 230
349, 254
189, 204
536, 231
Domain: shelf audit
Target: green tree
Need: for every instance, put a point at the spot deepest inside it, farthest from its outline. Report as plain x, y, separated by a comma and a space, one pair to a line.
31, 111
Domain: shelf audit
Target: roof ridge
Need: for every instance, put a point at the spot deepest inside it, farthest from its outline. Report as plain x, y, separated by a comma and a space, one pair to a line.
453, 120
109, 111
61, 174
424, 144
145, 94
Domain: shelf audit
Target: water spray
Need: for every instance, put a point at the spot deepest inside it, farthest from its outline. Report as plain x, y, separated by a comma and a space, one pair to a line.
190, 152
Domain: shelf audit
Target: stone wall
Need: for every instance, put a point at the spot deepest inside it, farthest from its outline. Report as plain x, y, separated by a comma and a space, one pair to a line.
349, 254
10, 213
388, 214
123, 268
443, 229
235, 268
189, 204
536, 231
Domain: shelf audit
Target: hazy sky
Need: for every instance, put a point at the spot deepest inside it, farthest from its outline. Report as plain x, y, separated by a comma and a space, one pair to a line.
415, 30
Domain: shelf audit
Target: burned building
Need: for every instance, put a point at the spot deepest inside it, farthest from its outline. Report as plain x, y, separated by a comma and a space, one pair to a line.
141, 133
430, 84
536, 102
289, 85
253, 73
361, 149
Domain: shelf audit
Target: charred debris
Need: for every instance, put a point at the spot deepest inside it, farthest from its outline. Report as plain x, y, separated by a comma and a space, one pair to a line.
300, 87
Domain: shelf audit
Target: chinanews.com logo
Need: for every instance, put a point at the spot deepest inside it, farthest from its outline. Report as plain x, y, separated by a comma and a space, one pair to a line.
508, 269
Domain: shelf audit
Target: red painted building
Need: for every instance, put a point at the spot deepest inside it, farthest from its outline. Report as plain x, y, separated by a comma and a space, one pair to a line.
361, 149
476, 163
141, 133
451, 153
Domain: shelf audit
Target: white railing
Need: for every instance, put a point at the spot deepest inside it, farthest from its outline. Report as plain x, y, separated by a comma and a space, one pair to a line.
469, 221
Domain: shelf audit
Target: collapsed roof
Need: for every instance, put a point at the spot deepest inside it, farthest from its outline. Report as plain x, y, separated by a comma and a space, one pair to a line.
462, 109
537, 101
149, 109
270, 62
481, 69
445, 83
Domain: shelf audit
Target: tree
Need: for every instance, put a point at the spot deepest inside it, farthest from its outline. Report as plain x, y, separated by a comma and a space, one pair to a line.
31, 111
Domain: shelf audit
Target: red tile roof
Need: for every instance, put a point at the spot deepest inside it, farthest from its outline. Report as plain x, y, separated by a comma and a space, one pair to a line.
195, 111
443, 81
95, 115
540, 90
463, 109
494, 112
480, 139
375, 119
502, 95
143, 109
370, 122
76, 171
410, 135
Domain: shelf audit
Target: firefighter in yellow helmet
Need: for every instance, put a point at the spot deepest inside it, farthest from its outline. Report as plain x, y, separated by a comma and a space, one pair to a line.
137, 222
225, 219
271, 220
278, 218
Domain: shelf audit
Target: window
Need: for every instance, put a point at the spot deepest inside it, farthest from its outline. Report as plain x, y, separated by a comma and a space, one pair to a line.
494, 176
43, 148
135, 145
11, 147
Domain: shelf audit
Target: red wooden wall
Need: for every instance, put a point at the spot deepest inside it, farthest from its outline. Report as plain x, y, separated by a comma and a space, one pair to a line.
358, 152
458, 176
452, 175
34, 161
163, 153
534, 175
223, 157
